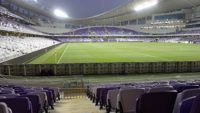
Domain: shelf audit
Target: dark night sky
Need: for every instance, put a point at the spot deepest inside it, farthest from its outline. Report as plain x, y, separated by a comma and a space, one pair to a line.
83, 8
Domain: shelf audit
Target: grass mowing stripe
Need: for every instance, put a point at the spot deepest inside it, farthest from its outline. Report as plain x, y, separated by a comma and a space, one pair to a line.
63, 53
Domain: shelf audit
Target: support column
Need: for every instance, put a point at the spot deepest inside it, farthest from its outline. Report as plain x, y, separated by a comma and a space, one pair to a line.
25, 70
9, 73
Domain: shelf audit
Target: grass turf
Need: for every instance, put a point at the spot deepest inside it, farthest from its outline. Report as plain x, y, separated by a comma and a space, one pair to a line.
119, 52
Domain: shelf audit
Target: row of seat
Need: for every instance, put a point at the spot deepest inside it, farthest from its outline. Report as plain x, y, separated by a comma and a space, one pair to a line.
14, 46
144, 97
28, 99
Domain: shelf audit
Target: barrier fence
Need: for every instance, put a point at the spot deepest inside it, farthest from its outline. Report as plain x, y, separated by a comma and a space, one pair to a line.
99, 68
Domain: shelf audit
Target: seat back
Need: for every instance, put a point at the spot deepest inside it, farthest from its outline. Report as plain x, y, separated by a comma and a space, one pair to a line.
195, 105
18, 105
103, 94
8, 91
186, 104
127, 99
49, 97
156, 102
42, 98
35, 101
185, 87
3, 108
9, 95
183, 95
52, 93
112, 98
161, 89
2, 97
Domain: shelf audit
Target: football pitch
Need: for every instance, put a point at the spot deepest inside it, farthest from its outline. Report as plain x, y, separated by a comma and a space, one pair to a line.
119, 52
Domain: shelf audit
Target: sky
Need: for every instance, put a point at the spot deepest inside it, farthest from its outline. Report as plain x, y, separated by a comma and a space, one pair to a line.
83, 8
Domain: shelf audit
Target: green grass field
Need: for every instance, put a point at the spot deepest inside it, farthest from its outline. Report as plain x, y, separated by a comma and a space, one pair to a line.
119, 52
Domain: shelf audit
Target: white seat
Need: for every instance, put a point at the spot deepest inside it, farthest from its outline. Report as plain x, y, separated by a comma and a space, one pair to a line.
4, 108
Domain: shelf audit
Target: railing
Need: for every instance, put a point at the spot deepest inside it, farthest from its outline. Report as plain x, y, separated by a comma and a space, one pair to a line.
70, 93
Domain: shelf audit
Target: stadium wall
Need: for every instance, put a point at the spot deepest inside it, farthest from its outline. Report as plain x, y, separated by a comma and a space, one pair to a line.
99, 68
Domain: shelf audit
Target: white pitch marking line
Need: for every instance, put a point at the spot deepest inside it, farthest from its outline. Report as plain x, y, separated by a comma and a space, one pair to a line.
67, 46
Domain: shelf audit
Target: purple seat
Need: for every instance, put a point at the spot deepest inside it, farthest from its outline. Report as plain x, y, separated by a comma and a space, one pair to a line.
6, 91
43, 100
18, 104
103, 95
161, 89
195, 106
57, 92
53, 93
186, 105
97, 96
9, 95
18, 90
36, 106
2, 93
184, 87
49, 98
156, 102
184, 95
177, 85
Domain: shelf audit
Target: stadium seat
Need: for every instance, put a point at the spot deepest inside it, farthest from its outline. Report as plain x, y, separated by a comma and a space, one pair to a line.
112, 100
18, 104
184, 87
9, 95
97, 95
4, 108
186, 104
195, 105
7, 91
49, 98
43, 100
161, 89
35, 102
126, 99
103, 95
184, 95
156, 102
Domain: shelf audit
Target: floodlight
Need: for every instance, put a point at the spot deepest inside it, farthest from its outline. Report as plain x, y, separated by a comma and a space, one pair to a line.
35, 0
60, 13
145, 4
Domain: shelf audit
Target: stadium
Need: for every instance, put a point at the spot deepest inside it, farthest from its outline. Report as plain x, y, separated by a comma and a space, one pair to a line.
99, 56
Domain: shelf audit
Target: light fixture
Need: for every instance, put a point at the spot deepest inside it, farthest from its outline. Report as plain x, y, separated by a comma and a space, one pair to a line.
60, 13
145, 4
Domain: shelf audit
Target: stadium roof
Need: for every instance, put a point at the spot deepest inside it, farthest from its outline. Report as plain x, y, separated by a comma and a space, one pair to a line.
83, 9
120, 12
